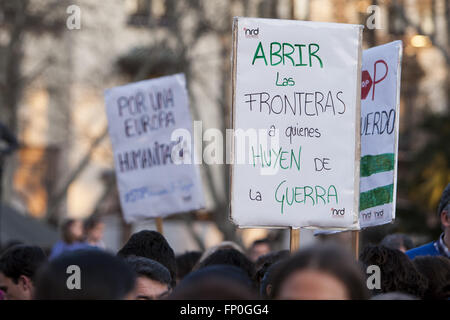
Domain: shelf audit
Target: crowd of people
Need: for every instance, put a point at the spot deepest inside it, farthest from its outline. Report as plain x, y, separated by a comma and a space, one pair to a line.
146, 268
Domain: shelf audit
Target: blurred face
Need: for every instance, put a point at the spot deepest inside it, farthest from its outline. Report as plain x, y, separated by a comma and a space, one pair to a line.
312, 285
258, 251
96, 233
148, 289
22, 290
76, 230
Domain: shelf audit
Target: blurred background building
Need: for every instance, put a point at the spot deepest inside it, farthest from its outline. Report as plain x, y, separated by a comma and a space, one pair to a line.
52, 80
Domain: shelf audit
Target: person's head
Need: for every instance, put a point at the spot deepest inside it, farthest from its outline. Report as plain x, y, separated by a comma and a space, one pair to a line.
323, 272
18, 266
397, 272
230, 257
444, 212
222, 245
153, 279
216, 282
152, 245
264, 262
72, 231
259, 248
266, 282
10, 244
87, 274
186, 262
397, 241
93, 229
437, 270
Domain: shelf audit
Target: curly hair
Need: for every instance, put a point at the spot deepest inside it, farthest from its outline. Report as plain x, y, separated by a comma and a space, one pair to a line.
437, 271
398, 273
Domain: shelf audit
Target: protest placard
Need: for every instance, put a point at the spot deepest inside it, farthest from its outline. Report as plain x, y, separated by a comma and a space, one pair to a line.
296, 114
142, 117
380, 100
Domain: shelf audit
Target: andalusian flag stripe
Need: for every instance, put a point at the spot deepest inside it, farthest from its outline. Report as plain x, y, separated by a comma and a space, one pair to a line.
376, 197
375, 164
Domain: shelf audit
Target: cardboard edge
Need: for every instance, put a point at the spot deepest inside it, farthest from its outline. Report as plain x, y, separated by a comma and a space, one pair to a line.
358, 135
397, 125
233, 113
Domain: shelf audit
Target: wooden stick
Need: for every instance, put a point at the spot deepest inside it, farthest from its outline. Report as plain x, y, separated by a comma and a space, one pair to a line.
159, 225
355, 244
295, 239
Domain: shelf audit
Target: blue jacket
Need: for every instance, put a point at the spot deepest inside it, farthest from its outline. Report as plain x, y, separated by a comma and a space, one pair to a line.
61, 247
429, 249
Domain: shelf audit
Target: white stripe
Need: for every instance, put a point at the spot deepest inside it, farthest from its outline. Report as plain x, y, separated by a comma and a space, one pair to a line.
376, 180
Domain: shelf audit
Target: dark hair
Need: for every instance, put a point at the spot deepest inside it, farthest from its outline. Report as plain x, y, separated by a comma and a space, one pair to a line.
103, 277
396, 241
91, 222
437, 270
230, 257
22, 260
65, 230
264, 262
267, 279
186, 262
152, 245
150, 268
398, 273
328, 258
10, 244
217, 282
445, 200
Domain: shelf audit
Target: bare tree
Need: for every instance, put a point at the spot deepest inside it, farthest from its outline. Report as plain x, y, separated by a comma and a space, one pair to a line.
18, 18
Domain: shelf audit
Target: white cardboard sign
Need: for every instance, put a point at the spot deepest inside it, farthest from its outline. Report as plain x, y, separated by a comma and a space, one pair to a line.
296, 87
142, 117
380, 99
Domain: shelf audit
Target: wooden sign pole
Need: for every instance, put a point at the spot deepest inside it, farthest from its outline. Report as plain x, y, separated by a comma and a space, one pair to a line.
295, 239
355, 244
159, 225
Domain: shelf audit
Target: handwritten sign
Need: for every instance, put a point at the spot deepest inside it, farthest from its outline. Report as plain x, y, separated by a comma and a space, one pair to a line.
380, 94
296, 113
142, 117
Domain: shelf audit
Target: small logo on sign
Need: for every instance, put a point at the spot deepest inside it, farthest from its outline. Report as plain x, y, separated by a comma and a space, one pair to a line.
251, 33
366, 215
366, 84
337, 213
379, 214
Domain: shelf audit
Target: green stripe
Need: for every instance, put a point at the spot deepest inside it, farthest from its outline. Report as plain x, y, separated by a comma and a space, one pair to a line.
376, 197
379, 163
